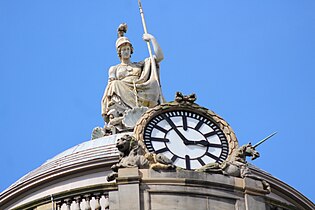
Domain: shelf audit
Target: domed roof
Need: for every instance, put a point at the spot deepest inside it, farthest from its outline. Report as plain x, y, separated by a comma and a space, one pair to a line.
87, 159
97, 151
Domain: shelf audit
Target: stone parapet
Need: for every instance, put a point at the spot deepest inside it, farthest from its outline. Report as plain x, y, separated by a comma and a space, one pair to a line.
76, 179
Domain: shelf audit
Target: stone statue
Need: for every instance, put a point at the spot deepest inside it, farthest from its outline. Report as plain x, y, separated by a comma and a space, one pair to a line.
133, 154
237, 166
131, 84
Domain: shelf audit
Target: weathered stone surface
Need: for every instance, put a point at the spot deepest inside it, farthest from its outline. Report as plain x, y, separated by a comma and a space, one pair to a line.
131, 84
192, 190
128, 189
237, 165
134, 155
254, 202
70, 178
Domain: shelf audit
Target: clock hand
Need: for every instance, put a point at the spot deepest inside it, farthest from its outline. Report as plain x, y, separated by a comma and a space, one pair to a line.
170, 122
201, 142
186, 142
204, 143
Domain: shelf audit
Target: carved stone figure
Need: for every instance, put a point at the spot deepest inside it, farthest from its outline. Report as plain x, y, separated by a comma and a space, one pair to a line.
131, 84
159, 161
132, 155
237, 166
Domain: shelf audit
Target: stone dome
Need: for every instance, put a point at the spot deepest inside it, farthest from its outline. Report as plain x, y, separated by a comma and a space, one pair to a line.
76, 179
88, 155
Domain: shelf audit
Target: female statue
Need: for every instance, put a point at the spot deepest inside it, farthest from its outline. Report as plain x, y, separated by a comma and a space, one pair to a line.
132, 84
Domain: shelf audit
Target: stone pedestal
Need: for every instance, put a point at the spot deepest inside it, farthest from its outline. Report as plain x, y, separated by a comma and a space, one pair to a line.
128, 195
78, 176
177, 190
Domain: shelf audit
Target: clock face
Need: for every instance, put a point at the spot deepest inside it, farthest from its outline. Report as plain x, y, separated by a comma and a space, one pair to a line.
189, 139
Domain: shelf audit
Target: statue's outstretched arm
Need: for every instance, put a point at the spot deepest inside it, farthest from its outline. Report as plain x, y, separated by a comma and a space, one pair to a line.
157, 49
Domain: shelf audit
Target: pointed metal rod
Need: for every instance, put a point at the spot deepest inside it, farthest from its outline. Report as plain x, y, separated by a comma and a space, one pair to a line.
265, 139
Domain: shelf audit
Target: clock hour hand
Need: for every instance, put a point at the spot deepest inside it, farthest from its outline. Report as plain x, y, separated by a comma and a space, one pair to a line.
201, 142
204, 143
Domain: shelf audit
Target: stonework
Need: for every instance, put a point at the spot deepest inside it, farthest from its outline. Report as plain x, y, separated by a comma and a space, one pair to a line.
77, 177
133, 155
132, 86
189, 190
152, 155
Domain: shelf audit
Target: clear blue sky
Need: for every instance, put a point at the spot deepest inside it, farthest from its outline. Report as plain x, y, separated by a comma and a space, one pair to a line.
252, 62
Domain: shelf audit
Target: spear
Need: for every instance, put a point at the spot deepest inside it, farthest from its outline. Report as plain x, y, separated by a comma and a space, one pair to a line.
144, 27
153, 64
265, 139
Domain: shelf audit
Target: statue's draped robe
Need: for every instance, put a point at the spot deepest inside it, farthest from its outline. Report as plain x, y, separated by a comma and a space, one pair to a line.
147, 87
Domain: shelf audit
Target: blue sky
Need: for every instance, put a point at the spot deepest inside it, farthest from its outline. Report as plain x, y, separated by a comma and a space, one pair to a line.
252, 62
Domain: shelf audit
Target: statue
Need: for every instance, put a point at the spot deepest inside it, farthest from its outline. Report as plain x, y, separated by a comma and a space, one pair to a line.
237, 166
133, 154
131, 84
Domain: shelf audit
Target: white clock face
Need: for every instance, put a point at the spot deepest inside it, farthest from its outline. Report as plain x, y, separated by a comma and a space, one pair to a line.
189, 139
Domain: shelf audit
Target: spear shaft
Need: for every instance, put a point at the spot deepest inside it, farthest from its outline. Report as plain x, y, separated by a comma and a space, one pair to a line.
145, 28
153, 64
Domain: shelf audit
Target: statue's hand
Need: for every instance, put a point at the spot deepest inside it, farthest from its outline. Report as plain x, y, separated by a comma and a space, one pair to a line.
147, 37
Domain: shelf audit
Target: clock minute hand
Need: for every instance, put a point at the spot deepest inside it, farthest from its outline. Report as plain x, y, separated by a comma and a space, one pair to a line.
186, 142
170, 122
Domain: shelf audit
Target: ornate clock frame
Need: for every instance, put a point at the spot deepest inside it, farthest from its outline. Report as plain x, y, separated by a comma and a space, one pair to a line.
186, 104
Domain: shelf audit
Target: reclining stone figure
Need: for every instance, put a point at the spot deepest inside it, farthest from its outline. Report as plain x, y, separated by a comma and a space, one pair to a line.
237, 166
133, 155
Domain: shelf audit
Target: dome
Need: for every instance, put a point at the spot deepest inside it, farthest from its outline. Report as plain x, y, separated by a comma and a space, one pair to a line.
76, 179
86, 156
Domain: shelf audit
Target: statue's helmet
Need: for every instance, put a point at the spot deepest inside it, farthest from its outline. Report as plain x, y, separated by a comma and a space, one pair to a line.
122, 40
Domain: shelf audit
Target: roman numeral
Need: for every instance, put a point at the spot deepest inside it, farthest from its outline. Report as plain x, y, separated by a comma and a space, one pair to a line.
187, 158
160, 129
201, 161
198, 126
212, 156
210, 134
159, 139
174, 158
185, 123
162, 150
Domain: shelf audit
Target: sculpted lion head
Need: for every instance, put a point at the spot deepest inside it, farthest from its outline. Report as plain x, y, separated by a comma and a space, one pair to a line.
128, 144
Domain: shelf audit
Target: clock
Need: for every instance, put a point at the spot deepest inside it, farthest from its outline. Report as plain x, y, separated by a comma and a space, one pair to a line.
189, 135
